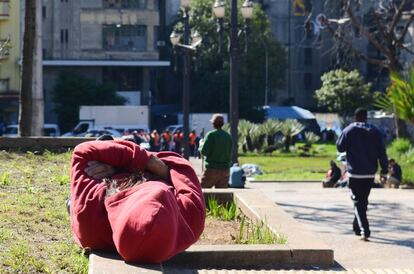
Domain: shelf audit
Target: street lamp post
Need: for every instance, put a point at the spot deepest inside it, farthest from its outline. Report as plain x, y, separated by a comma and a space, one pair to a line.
186, 48
247, 12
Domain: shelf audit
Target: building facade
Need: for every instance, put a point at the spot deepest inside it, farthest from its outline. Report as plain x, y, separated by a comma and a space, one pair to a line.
106, 40
9, 60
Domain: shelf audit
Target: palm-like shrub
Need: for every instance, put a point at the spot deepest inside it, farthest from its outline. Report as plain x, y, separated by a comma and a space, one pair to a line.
270, 127
245, 141
400, 96
257, 137
290, 128
311, 138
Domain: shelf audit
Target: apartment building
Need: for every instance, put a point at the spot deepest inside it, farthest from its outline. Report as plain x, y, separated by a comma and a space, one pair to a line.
9, 60
106, 40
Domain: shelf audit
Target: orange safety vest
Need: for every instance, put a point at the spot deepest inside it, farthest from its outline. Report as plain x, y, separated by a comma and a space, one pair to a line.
167, 137
193, 138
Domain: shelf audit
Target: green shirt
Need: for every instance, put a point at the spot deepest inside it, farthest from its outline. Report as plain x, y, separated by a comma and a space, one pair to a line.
217, 149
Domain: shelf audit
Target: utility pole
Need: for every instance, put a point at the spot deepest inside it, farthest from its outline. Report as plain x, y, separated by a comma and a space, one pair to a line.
234, 81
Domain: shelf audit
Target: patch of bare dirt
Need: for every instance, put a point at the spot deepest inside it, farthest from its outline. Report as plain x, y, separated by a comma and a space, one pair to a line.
217, 232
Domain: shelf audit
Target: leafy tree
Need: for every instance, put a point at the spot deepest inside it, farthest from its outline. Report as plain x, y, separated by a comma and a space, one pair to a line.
210, 78
72, 91
343, 92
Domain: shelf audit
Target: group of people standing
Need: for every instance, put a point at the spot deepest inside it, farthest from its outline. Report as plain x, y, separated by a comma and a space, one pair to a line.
166, 141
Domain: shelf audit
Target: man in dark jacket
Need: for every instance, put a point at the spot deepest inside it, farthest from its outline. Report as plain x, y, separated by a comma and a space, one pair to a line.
364, 147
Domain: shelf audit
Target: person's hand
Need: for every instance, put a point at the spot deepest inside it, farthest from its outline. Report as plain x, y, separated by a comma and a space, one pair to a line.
158, 168
98, 170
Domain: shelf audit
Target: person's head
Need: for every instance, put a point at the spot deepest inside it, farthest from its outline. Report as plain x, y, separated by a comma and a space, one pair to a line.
360, 115
391, 161
332, 163
154, 131
217, 120
193, 131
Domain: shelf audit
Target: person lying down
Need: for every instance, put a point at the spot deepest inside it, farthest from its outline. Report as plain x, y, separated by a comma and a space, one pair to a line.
146, 206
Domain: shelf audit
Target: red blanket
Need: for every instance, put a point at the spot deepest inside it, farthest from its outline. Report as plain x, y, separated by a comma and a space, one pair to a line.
148, 223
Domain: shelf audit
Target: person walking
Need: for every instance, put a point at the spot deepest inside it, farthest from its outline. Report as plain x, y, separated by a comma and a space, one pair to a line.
177, 141
217, 150
155, 141
364, 148
192, 141
166, 140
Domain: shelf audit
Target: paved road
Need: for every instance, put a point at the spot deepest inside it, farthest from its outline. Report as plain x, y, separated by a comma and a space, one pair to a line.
329, 213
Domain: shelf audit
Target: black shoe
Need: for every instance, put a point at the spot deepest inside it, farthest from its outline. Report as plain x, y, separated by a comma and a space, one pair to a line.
364, 238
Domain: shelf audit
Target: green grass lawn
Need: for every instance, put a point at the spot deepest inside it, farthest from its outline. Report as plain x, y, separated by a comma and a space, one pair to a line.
289, 166
35, 235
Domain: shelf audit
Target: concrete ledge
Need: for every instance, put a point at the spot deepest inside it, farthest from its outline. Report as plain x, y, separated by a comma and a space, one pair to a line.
303, 248
41, 143
282, 181
102, 263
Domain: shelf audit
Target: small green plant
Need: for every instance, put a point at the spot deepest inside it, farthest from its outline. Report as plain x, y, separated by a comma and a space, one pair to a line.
258, 233
5, 179
29, 187
226, 212
21, 260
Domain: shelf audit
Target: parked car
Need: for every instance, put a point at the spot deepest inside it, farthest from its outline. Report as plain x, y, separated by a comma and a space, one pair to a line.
174, 128
100, 132
48, 130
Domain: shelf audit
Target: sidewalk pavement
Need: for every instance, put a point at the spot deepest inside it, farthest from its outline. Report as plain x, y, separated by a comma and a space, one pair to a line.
328, 212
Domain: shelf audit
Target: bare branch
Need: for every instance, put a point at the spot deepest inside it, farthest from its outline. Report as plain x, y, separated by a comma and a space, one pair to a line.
358, 53
407, 49
366, 33
405, 30
397, 16
381, 29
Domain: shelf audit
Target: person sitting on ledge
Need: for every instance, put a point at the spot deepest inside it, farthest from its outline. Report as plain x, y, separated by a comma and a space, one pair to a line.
394, 174
146, 206
332, 176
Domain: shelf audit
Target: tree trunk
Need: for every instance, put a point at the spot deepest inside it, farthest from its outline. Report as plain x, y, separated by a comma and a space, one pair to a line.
25, 115
37, 94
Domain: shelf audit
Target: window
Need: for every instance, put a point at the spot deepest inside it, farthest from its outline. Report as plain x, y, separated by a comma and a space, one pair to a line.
4, 85
307, 81
43, 12
125, 37
156, 35
307, 60
64, 36
156, 4
126, 4
125, 78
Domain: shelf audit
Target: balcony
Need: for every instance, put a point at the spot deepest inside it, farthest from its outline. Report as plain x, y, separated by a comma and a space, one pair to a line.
125, 4
4, 9
4, 49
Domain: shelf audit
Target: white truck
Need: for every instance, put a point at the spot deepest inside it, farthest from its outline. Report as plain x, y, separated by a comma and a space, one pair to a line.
200, 121
124, 119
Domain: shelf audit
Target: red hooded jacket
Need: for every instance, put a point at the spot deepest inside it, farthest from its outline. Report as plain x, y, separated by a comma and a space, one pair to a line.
148, 223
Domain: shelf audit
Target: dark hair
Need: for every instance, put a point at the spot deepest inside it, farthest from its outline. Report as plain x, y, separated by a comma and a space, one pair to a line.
391, 160
361, 114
